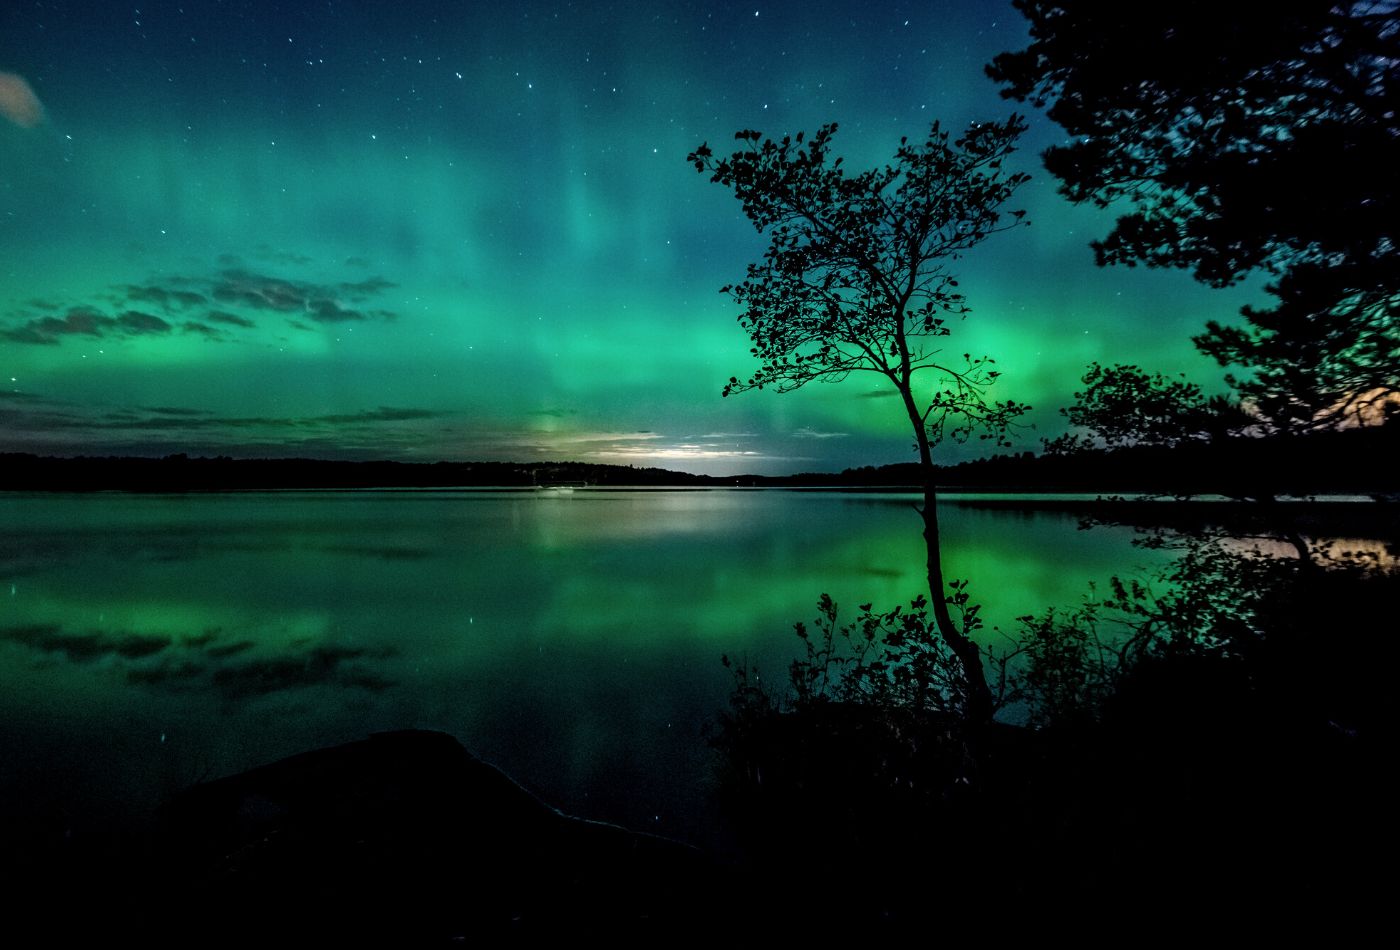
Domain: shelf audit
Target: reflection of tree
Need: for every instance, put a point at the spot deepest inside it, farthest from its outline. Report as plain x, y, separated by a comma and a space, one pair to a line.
1243, 139
857, 279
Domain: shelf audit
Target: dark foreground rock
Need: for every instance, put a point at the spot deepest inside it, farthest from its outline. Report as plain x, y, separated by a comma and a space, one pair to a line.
408, 839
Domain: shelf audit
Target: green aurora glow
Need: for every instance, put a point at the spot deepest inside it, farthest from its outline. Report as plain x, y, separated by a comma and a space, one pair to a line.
468, 231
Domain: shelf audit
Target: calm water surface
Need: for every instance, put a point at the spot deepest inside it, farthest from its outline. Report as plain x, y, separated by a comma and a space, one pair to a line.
148, 642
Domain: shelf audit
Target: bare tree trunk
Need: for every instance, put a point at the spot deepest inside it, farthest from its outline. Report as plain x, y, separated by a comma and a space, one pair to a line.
979, 695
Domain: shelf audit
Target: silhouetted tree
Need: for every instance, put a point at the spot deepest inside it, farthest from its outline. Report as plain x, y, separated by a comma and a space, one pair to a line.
856, 278
1245, 137
1123, 405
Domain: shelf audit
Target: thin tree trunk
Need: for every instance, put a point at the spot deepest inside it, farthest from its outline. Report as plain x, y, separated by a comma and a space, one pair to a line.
979, 694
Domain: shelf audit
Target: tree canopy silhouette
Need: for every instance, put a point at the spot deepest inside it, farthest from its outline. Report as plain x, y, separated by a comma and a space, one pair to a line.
857, 278
1123, 405
1245, 137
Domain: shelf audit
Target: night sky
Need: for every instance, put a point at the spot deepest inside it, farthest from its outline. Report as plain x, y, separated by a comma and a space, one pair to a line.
428, 231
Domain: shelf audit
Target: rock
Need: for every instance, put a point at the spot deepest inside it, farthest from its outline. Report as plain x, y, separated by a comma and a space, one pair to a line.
408, 836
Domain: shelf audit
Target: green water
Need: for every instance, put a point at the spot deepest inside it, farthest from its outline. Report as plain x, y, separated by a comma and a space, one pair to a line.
147, 642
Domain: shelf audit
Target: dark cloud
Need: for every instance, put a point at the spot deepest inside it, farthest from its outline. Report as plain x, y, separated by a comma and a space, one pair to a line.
260, 292
136, 323
85, 321
328, 311
203, 329
79, 321
877, 394
236, 286
369, 287
359, 263
321, 303
164, 297
34, 414
231, 319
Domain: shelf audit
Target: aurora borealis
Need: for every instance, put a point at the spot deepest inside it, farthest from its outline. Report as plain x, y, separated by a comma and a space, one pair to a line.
458, 231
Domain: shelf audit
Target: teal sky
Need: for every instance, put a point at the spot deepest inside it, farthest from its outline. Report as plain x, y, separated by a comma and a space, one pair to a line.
468, 231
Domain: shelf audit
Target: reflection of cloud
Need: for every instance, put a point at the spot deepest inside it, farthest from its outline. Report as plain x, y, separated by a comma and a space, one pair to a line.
18, 102
229, 649
319, 666
84, 647
205, 662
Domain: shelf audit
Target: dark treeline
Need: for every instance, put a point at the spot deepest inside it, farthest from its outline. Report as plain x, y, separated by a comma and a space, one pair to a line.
181, 473
1338, 461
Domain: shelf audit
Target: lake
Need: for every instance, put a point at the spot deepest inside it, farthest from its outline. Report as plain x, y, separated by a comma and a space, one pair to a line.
573, 639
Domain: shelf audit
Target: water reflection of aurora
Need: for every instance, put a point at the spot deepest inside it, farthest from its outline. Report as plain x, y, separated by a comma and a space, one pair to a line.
151, 641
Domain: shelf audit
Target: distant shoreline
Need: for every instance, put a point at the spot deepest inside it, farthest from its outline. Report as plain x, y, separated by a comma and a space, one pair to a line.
1335, 464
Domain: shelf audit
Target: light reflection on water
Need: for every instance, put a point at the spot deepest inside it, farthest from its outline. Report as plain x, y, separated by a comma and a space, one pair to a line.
147, 642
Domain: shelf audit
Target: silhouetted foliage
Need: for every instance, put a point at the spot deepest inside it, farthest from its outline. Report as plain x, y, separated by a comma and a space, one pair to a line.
1284, 622
1245, 137
1123, 405
886, 661
1223, 721
857, 278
